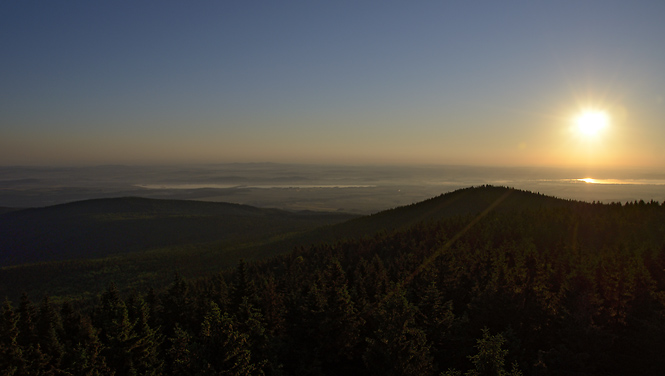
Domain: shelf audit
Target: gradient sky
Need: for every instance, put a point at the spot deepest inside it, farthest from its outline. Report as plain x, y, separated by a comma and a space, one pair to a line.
362, 82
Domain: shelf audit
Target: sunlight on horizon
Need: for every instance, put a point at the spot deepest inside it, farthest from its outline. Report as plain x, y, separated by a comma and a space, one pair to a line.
622, 181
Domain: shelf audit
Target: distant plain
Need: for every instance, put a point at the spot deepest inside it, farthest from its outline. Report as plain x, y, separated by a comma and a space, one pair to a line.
352, 189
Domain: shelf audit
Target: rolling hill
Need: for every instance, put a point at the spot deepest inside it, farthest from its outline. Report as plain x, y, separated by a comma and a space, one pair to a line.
541, 285
462, 202
83, 246
103, 227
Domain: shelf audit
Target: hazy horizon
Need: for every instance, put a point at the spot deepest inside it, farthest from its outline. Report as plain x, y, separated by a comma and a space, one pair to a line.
353, 189
371, 83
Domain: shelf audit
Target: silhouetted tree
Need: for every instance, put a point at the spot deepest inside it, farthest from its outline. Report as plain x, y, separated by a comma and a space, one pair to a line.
221, 349
397, 346
116, 332
48, 325
11, 357
242, 287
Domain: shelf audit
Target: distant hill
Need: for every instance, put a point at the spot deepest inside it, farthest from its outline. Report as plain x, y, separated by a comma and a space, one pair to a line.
140, 242
569, 288
459, 203
541, 285
102, 227
4, 209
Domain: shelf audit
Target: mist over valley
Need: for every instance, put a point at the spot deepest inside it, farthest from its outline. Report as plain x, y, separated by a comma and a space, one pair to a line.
353, 189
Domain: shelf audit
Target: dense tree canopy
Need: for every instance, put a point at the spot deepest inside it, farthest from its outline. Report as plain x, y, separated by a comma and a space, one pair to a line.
575, 288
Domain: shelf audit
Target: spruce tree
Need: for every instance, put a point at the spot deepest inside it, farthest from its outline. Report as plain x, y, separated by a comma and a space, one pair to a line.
340, 324
27, 314
221, 348
11, 357
181, 359
84, 357
145, 352
176, 305
116, 332
48, 325
397, 346
242, 287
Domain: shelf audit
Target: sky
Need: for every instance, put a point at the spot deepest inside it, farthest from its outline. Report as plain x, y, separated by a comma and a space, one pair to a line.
495, 83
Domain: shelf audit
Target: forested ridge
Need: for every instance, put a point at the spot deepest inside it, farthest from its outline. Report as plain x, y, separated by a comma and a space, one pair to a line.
562, 288
102, 227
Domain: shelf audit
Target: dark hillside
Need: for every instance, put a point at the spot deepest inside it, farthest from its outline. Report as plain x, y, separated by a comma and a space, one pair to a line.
468, 202
97, 228
4, 209
564, 288
460, 203
486, 281
201, 241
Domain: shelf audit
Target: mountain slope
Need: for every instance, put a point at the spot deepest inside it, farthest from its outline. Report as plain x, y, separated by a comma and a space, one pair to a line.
546, 286
259, 236
4, 210
459, 203
98, 228
571, 287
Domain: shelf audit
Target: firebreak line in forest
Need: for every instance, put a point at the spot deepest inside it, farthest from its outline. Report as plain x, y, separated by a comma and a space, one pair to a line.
446, 246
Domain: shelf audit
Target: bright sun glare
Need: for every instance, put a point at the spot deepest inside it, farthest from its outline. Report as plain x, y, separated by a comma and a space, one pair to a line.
591, 122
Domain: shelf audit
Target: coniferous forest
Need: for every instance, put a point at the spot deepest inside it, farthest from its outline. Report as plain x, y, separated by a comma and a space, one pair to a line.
562, 288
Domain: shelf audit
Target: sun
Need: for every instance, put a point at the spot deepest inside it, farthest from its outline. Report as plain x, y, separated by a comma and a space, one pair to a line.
592, 122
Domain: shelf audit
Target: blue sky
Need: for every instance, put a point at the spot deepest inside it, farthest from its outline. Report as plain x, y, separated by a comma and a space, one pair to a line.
433, 82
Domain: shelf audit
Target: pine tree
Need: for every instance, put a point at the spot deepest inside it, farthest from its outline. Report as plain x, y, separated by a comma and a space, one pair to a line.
11, 357
273, 307
83, 355
176, 305
48, 325
145, 352
27, 314
340, 324
220, 291
436, 317
302, 310
490, 359
116, 332
222, 349
250, 322
181, 359
242, 287
71, 333
154, 307
397, 346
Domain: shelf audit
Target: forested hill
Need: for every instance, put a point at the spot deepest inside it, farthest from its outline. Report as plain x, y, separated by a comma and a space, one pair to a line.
138, 242
96, 228
562, 288
4, 210
509, 287
465, 202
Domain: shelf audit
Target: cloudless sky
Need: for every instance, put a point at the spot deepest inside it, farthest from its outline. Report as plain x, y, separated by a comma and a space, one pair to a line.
362, 82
